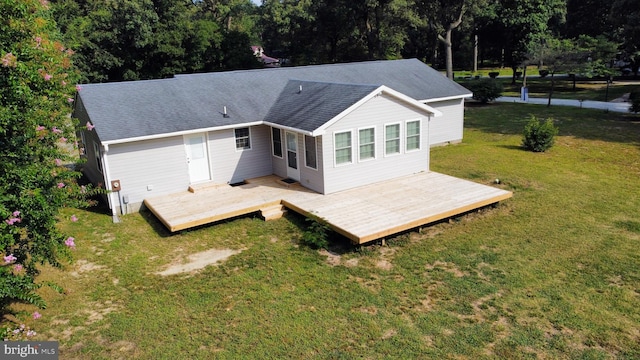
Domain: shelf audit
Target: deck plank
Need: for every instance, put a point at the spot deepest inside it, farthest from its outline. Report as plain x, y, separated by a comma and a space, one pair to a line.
363, 214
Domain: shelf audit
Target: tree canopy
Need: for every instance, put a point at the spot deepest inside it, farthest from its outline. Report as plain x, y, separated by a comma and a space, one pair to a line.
144, 39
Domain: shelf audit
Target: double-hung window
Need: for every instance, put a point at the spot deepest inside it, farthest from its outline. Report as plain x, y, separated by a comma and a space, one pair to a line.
342, 141
243, 141
392, 139
310, 154
276, 137
413, 135
367, 143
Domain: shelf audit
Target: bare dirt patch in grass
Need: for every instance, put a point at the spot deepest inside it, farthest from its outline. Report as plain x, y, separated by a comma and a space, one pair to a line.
448, 267
199, 261
333, 259
84, 266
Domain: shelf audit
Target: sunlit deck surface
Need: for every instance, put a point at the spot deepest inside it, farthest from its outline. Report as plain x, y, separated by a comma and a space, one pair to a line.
363, 214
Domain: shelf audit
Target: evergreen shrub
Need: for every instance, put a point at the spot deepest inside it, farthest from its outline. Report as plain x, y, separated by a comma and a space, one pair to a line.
539, 136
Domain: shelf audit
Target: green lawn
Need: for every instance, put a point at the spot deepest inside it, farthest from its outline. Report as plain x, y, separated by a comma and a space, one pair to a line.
551, 273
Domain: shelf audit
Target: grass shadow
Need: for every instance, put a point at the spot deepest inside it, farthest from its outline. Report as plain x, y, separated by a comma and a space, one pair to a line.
512, 147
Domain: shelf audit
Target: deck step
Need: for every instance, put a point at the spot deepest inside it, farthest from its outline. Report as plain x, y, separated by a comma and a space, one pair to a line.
273, 212
205, 186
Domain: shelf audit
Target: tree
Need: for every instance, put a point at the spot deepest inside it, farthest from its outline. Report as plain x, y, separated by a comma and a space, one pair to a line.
444, 17
558, 56
523, 22
625, 15
588, 17
37, 87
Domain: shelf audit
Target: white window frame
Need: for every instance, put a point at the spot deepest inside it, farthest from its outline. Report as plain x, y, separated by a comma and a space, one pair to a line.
236, 138
315, 152
335, 148
273, 147
399, 124
375, 153
406, 134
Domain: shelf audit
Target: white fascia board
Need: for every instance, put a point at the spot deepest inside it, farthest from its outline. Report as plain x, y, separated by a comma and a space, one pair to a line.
288, 128
379, 91
447, 98
178, 133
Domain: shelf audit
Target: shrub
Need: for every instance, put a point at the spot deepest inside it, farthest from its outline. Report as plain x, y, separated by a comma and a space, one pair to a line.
494, 74
543, 73
635, 105
539, 136
485, 90
317, 233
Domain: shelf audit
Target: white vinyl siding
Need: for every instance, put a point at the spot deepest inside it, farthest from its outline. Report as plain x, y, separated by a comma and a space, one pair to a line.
149, 168
412, 129
377, 112
243, 139
367, 143
231, 166
343, 148
310, 152
276, 139
392, 139
449, 127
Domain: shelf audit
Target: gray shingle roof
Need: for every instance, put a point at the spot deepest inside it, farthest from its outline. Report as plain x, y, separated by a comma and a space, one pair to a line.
316, 104
187, 102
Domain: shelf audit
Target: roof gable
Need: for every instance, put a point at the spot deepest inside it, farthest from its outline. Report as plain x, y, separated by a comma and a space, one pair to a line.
307, 106
312, 106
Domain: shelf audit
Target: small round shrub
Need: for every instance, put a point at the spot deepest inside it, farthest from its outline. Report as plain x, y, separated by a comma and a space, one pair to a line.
316, 235
539, 136
485, 90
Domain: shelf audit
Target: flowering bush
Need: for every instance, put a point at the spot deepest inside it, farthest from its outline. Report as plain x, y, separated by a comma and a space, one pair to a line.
36, 82
20, 333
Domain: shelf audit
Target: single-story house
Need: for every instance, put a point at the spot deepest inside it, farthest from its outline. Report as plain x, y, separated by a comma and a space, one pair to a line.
329, 127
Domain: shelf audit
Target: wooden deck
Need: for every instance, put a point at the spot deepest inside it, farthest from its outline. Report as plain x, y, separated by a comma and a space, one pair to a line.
363, 214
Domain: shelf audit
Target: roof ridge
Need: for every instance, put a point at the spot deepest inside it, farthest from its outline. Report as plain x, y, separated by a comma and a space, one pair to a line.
287, 68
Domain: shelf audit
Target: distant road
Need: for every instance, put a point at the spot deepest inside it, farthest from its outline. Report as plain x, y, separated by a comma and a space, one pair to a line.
610, 106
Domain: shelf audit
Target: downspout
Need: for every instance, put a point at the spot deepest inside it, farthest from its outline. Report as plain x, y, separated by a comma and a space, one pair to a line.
107, 181
429, 143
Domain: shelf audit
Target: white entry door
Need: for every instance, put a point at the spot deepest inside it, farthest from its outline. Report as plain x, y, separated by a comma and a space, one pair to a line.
197, 158
293, 170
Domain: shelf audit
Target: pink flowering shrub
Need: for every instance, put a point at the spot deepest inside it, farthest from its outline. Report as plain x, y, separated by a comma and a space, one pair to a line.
37, 82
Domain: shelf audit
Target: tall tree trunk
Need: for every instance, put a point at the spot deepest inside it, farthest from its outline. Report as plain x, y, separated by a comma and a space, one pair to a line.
551, 90
446, 40
475, 53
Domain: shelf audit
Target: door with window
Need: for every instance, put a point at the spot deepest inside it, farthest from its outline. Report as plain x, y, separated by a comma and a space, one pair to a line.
197, 157
293, 170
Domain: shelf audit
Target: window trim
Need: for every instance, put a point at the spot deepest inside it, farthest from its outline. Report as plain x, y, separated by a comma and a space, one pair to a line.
406, 135
235, 136
375, 152
335, 148
399, 139
315, 151
97, 154
273, 143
